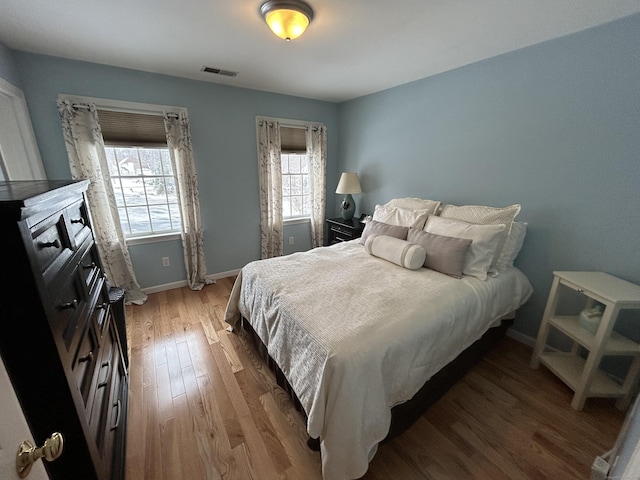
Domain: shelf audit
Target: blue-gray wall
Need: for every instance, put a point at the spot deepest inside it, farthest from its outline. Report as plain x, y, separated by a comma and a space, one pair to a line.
224, 142
8, 68
554, 127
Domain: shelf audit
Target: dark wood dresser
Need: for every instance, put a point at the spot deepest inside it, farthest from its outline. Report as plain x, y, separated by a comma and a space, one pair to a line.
58, 338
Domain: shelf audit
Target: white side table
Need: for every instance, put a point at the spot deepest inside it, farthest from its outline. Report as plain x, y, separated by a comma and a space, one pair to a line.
583, 376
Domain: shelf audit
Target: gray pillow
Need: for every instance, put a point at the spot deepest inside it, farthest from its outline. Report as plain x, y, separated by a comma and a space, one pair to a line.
444, 254
380, 228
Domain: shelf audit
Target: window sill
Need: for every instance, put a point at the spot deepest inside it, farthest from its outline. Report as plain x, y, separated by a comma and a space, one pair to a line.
167, 237
293, 221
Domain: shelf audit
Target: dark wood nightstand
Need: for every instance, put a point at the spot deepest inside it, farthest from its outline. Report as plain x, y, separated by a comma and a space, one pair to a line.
340, 230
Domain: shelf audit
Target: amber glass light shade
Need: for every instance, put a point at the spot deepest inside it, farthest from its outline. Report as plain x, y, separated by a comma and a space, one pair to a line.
288, 19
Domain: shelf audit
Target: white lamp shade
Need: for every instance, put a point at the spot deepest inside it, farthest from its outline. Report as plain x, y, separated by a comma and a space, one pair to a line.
349, 184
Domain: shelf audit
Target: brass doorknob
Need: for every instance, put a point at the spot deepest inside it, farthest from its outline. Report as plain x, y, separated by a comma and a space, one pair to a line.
28, 453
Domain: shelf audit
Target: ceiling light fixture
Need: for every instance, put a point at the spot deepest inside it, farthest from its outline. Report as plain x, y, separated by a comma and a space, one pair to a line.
288, 19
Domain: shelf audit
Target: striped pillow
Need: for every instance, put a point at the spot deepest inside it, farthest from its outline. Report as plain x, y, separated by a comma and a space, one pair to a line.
400, 252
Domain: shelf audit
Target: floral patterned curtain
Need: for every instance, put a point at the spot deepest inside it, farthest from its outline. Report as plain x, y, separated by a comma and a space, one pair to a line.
181, 152
270, 178
317, 149
87, 159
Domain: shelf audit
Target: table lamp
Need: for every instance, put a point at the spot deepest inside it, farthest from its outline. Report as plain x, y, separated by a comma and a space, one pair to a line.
348, 185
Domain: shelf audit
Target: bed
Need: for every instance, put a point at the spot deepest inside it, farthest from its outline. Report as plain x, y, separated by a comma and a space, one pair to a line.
355, 335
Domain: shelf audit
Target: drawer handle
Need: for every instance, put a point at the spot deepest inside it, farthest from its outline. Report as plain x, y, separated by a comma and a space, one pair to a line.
106, 378
55, 244
86, 358
118, 405
79, 220
92, 265
580, 290
73, 305
102, 305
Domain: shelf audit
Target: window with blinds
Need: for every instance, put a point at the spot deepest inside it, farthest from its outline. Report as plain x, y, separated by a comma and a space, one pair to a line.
296, 180
141, 173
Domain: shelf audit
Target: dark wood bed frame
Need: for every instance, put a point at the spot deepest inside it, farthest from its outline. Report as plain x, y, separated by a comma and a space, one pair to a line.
404, 414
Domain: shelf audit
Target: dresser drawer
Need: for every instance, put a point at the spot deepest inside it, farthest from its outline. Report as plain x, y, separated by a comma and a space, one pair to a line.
116, 418
85, 361
342, 234
100, 300
68, 312
78, 222
339, 230
103, 382
89, 267
51, 246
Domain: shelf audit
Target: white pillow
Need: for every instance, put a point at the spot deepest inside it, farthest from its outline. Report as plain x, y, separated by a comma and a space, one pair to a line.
414, 204
392, 249
485, 242
484, 215
512, 246
402, 217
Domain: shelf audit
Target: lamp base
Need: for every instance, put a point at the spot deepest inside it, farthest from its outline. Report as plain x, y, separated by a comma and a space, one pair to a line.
348, 207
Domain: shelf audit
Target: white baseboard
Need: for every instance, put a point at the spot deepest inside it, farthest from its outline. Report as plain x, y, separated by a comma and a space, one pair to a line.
183, 283
228, 273
521, 337
166, 286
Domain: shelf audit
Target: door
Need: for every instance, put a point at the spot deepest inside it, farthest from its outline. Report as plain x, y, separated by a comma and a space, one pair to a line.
13, 431
19, 156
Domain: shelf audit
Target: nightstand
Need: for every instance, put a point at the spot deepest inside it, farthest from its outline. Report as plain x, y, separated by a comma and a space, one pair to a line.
340, 230
583, 375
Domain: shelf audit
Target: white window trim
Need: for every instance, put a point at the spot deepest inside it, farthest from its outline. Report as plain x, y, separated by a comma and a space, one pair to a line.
294, 220
160, 237
123, 106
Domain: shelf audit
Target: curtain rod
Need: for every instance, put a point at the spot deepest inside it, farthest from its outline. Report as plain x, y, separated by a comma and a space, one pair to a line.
302, 127
87, 107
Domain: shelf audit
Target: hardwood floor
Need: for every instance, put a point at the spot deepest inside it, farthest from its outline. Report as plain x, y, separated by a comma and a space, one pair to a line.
202, 406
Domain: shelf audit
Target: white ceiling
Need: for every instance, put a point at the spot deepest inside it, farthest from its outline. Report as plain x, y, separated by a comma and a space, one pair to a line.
352, 47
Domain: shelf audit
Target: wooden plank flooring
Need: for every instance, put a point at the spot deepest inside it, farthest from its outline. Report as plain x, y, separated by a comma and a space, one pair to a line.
202, 406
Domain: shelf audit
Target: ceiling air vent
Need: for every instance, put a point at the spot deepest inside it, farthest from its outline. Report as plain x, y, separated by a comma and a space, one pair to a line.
218, 71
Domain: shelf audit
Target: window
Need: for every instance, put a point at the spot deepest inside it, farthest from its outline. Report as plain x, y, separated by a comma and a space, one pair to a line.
297, 152
145, 190
296, 185
296, 176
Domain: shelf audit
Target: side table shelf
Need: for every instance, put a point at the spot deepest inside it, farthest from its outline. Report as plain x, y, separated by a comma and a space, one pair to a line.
583, 375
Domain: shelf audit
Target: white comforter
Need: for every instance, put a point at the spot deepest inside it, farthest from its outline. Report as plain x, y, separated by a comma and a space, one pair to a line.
356, 335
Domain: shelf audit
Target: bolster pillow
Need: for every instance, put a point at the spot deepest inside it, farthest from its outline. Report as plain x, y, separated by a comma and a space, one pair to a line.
395, 250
